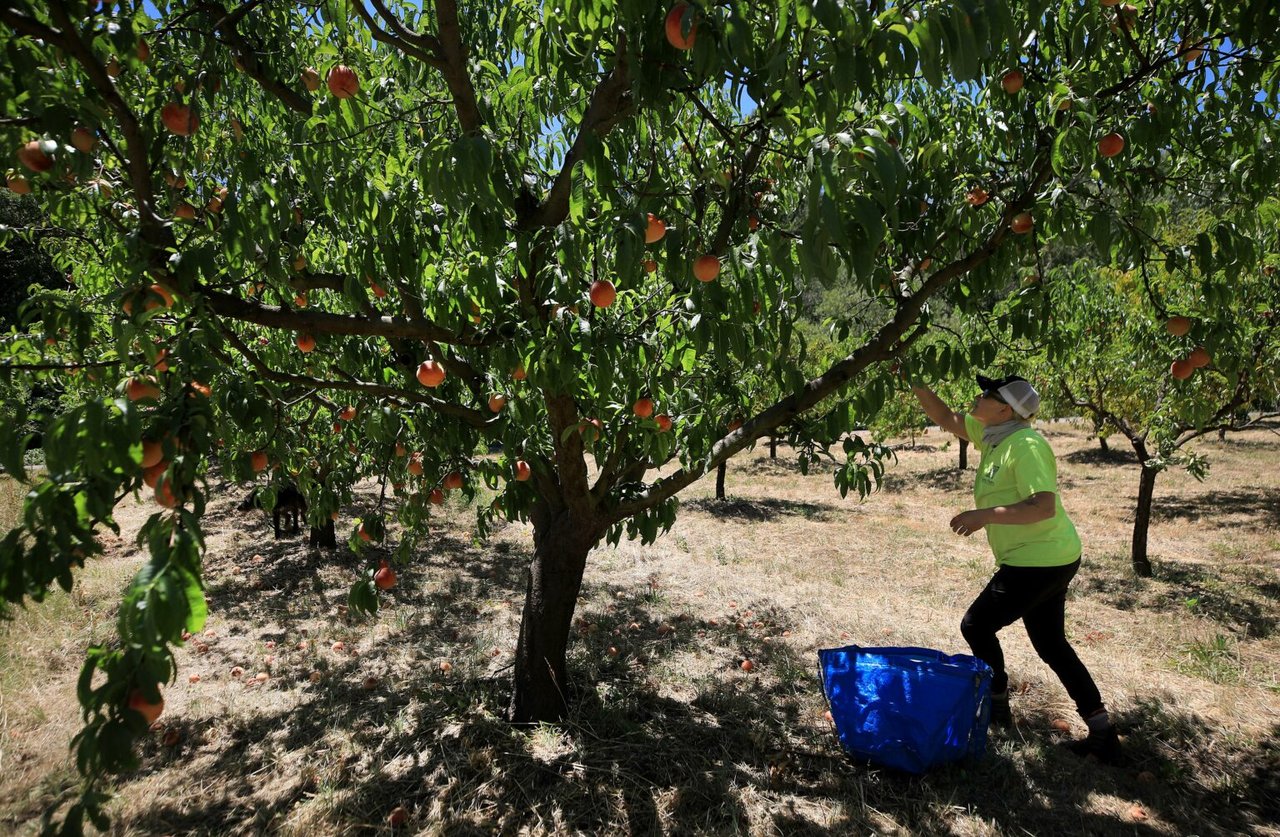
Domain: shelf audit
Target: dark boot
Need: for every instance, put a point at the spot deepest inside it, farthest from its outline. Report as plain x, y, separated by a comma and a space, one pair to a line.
1102, 745
1001, 716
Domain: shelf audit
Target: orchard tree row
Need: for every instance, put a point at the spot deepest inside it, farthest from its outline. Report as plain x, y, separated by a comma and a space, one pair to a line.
338, 240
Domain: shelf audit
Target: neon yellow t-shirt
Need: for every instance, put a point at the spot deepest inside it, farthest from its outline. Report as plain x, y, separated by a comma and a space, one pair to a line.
1020, 466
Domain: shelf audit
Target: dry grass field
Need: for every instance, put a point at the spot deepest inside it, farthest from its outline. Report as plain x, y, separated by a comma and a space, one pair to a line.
670, 736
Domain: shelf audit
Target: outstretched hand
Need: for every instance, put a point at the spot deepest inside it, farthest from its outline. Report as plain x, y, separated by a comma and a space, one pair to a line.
966, 523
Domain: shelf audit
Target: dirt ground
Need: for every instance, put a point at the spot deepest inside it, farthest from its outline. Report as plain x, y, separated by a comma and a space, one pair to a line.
668, 734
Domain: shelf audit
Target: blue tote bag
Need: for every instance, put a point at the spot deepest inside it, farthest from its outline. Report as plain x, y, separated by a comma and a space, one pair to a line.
907, 708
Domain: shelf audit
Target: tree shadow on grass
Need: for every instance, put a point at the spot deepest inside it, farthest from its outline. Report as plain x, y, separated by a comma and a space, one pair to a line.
645, 749
1115, 456
939, 479
760, 510
1259, 507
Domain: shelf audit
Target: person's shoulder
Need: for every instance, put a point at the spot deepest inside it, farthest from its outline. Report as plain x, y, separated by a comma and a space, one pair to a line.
1030, 441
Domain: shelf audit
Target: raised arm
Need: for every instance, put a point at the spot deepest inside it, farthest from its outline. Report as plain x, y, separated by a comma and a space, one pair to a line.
938, 412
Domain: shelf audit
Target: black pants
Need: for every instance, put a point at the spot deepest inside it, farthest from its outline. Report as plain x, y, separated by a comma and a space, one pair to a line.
1037, 596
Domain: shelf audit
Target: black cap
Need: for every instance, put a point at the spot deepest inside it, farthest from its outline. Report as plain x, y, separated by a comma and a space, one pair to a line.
1016, 391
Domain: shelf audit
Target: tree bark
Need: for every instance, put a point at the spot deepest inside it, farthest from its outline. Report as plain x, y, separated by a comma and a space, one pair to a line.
1102, 443
540, 681
964, 454
720, 472
1142, 521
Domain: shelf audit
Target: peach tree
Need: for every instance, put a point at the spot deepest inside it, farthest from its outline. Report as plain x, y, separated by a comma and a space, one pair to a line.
349, 240
1184, 343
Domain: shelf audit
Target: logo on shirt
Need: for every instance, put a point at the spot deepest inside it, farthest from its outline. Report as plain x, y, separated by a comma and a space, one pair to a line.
990, 473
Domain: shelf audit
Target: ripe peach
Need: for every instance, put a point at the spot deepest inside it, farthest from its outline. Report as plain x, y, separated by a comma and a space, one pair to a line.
664, 422
217, 200
1022, 223
603, 293
675, 27
496, 402
179, 119
1199, 357
654, 230
1111, 145
140, 389
706, 268
148, 710
311, 79
649, 265
1181, 369
165, 496
523, 471
348, 413
415, 465
436, 497
151, 476
306, 343
83, 140
747, 665
1013, 81
142, 50
1177, 326
258, 461
343, 82
977, 196
19, 185
453, 481
34, 157
430, 374
165, 297
446, 666
643, 407
152, 453
377, 289
518, 374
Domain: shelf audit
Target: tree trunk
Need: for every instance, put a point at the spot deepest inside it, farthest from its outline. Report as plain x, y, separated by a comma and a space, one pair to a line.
1142, 520
773, 446
560, 547
1102, 443
720, 472
964, 454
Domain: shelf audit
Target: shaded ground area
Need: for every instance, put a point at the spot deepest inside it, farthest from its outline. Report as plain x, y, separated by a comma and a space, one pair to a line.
668, 733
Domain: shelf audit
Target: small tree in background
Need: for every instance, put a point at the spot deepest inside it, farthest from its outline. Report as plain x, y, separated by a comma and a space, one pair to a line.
1162, 360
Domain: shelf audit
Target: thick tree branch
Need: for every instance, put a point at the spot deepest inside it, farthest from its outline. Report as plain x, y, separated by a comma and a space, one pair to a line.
402, 39
610, 101
154, 230
456, 77
321, 322
878, 348
224, 26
